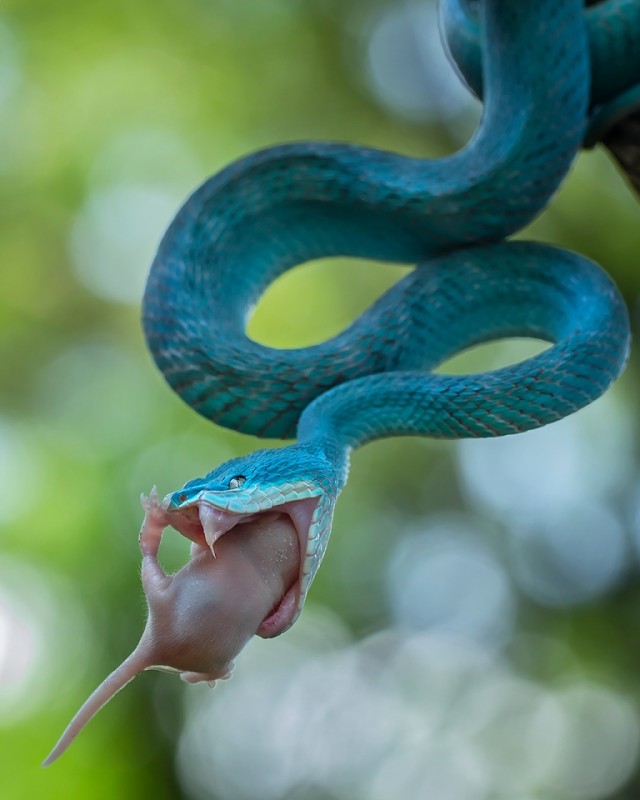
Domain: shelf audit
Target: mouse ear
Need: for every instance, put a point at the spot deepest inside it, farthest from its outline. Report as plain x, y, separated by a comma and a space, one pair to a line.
132, 666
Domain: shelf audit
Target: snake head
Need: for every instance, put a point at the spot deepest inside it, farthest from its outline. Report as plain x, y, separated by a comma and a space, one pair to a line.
299, 481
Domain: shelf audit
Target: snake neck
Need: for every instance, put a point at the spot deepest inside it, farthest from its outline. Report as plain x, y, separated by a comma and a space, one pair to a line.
331, 451
338, 422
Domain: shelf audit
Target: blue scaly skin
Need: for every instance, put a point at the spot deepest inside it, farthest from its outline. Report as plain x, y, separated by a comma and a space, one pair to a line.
288, 204
613, 27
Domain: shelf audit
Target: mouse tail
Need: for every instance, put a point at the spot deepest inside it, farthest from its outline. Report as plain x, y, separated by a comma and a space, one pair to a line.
117, 680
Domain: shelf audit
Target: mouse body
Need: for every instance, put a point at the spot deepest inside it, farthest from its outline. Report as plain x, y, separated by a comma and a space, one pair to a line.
202, 616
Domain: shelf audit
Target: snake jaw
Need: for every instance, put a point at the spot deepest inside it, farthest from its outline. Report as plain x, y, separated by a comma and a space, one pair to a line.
207, 516
215, 523
286, 612
202, 522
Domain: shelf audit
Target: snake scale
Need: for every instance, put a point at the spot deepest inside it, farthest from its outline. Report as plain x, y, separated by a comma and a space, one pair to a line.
552, 76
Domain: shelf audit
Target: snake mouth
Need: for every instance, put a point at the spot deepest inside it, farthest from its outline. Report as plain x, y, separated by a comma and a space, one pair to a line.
204, 523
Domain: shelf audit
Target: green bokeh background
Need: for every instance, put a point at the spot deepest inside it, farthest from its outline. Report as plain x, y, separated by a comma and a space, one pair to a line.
109, 103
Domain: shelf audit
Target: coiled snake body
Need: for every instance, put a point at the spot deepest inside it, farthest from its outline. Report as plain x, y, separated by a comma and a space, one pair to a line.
291, 203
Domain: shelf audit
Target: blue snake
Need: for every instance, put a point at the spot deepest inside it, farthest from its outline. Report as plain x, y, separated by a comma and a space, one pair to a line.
552, 75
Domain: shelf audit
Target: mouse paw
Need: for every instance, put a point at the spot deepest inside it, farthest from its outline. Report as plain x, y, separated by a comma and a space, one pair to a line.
155, 521
199, 677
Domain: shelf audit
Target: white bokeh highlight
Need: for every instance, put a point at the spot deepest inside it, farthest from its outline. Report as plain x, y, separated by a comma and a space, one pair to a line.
572, 556
42, 635
115, 236
553, 490
586, 456
80, 398
137, 182
446, 579
407, 70
601, 744
399, 714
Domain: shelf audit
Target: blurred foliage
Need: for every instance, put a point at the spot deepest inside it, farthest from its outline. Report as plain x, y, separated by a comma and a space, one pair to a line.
112, 112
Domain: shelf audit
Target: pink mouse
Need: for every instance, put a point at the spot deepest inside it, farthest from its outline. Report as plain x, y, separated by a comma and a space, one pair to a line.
201, 617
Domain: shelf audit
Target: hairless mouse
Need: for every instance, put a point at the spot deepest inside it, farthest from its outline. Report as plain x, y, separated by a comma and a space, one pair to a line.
202, 616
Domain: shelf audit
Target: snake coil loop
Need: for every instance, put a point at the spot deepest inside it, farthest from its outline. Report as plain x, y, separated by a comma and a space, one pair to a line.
613, 32
545, 70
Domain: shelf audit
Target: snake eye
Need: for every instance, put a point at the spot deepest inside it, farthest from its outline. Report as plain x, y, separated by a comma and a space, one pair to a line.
236, 481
